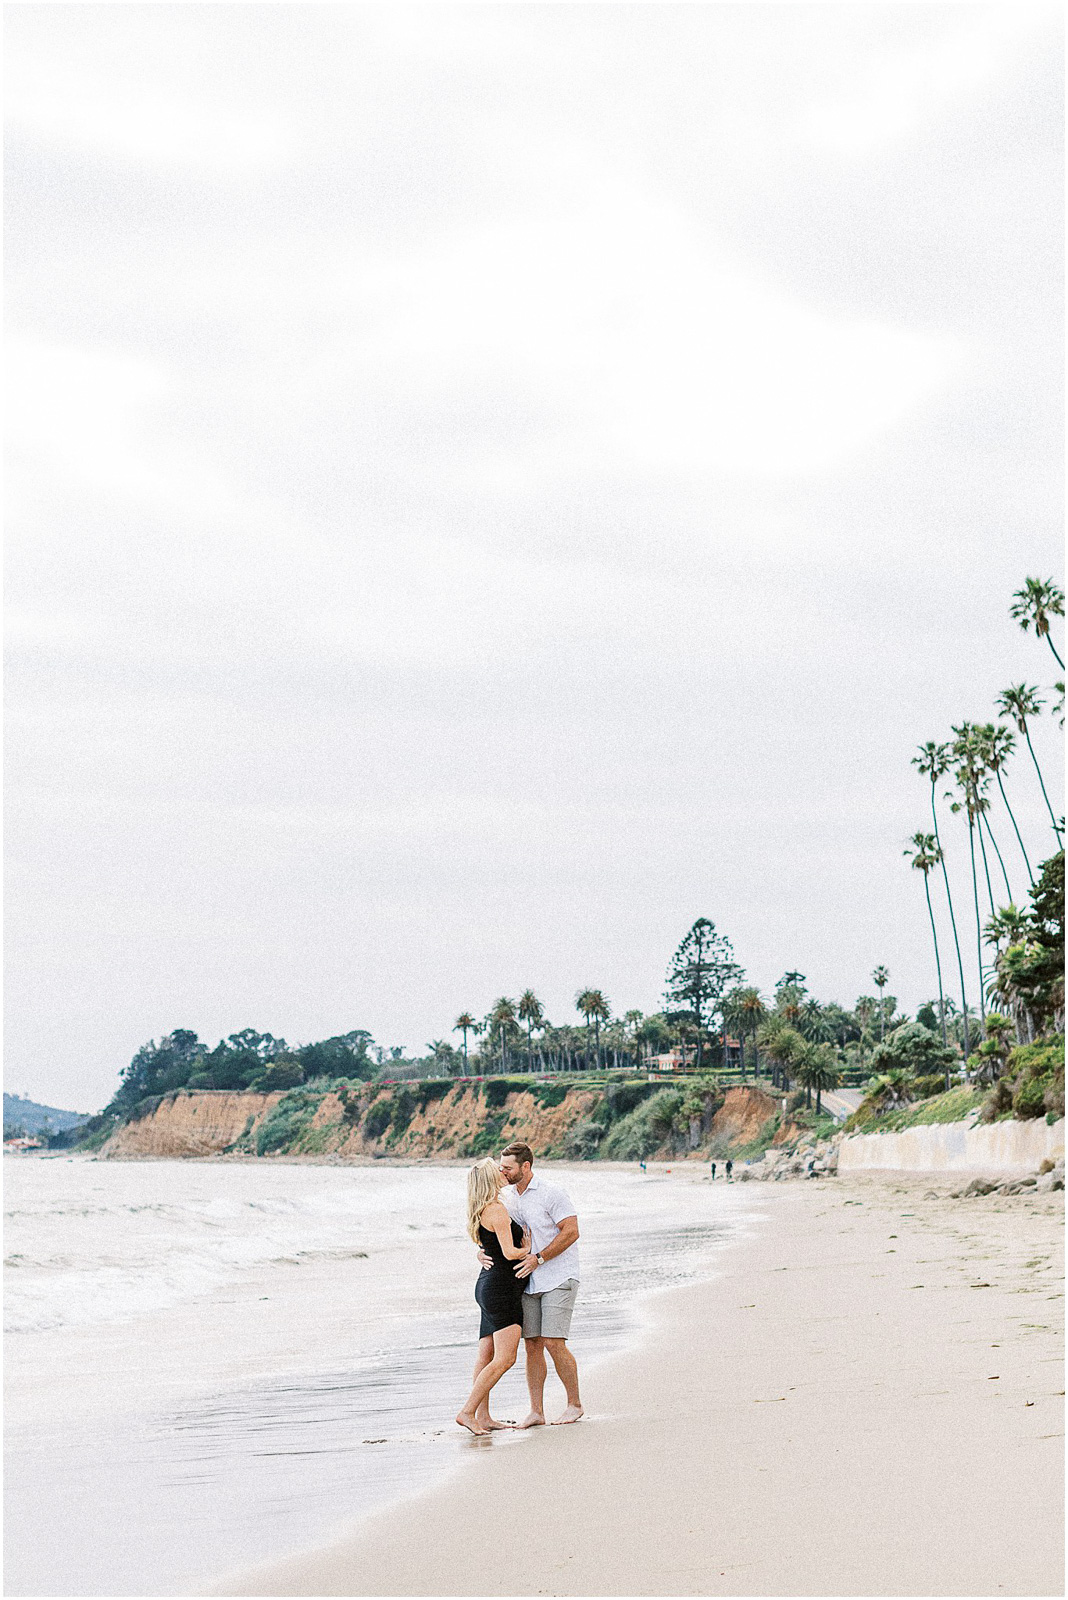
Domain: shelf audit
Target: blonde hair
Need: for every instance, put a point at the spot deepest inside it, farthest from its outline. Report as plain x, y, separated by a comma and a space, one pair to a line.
483, 1182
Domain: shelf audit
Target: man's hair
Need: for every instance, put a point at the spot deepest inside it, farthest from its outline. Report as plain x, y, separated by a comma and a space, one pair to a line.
521, 1151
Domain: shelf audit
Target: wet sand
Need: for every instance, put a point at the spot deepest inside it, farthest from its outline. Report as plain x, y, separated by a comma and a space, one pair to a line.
867, 1401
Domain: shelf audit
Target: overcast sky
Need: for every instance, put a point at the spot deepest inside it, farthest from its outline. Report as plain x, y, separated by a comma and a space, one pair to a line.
492, 484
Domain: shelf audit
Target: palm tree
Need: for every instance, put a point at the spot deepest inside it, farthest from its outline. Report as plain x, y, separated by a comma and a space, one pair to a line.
502, 1017
782, 1045
744, 1009
530, 1012
923, 847
595, 1008
881, 977
998, 744
932, 760
1019, 702
634, 1020
966, 779
1010, 924
817, 1069
1036, 602
864, 1011
465, 1023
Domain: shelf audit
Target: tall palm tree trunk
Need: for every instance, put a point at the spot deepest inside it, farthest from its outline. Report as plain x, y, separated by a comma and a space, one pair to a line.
530, 1045
978, 928
1053, 647
1019, 840
986, 864
952, 922
997, 852
938, 969
1038, 769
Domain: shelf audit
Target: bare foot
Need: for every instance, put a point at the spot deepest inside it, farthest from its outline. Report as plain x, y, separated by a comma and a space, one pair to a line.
472, 1424
535, 1420
569, 1414
491, 1423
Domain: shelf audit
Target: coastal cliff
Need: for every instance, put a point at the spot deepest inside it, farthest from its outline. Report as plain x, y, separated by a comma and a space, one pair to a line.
442, 1119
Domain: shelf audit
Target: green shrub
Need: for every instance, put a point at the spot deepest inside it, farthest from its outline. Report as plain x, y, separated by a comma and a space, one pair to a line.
933, 1083
145, 1108
622, 1098
404, 1107
1029, 1100
433, 1089
1038, 1073
201, 1080
285, 1122
581, 1141
487, 1139
997, 1102
549, 1094
644, 1129
377, 1119
496, 1090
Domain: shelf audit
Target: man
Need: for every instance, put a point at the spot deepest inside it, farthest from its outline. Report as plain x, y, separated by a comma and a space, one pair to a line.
552, 1273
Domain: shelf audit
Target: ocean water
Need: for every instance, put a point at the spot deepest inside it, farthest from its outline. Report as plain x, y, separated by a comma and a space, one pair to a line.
212, 1364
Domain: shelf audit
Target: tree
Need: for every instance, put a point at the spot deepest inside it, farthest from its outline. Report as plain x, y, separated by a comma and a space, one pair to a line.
1035, 603
633, 1020
346, 1055
465, 1024
923, 848
998, 744
914, 1049
881, 977
700, 971
595, 1008
1019, 702
530, 1012
932, 760
817, 1069
744, 1009
501, 1022
782, 1045
1030, 972
968, 778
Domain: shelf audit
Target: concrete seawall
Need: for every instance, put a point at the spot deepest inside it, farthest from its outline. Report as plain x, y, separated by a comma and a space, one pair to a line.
955, 1147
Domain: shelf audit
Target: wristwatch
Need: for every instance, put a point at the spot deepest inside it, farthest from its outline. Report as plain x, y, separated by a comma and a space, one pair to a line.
540, 1260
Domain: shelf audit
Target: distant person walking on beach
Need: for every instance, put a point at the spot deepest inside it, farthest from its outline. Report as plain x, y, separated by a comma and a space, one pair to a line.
550, 1273
713, 1172
730, 1169
498, 1292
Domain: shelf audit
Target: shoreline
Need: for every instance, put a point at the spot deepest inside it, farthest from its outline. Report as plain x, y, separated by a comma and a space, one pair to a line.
865, 1400
252, 1417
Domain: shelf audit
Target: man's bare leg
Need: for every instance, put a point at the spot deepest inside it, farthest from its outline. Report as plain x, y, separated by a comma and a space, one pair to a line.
483, 1359
535, 1349
567, 1372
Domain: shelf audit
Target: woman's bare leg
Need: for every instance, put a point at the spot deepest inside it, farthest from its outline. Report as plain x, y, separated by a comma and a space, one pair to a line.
482, 1360
505, 1345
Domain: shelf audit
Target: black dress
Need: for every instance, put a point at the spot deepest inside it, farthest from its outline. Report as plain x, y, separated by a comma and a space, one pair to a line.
499, 1292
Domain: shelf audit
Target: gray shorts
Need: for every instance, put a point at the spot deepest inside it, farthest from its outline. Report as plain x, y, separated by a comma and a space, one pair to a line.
548, 1315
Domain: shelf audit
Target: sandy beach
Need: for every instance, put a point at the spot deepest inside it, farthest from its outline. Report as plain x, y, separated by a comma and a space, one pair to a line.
866, 1401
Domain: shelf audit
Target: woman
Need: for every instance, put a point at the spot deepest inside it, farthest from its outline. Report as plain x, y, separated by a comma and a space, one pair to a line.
499, 1292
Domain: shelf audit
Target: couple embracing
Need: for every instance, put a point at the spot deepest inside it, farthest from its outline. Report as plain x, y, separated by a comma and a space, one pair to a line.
527, 1232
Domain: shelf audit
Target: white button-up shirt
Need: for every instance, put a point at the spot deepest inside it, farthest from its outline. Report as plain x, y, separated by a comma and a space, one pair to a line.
542, 1207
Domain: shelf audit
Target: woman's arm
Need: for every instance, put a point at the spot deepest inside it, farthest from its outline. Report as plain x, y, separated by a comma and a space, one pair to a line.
496, 1217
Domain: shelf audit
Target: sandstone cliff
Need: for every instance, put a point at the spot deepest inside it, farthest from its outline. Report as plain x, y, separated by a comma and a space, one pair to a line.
437, 1119
191, 1125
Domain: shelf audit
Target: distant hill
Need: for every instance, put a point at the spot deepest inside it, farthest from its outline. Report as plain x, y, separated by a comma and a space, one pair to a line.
30, 1117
